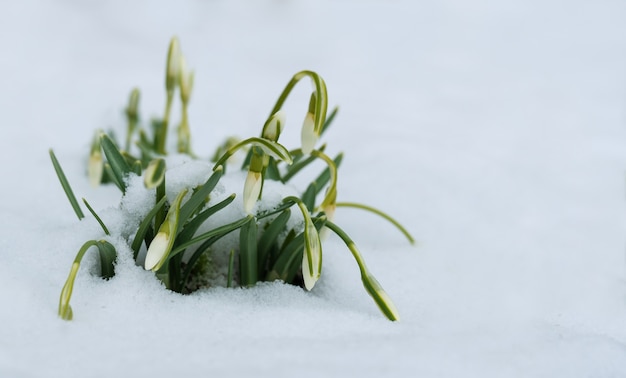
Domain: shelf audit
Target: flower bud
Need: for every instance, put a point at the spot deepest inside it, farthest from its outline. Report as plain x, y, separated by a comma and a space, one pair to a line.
251, 190
274, 126
171, 73
95, 165
161, 245
185, 80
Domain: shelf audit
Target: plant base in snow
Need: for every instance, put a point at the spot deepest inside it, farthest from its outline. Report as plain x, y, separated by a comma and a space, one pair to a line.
178, 237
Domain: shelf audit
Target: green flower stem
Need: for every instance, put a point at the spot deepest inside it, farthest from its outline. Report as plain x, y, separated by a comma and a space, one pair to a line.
381, 214
370, 283
160, 215
331, 193
132, 115
320, 105
171, 81
160, 136
107, 259
274, 149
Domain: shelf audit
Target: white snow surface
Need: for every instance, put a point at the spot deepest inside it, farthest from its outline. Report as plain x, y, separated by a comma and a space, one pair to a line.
493, 130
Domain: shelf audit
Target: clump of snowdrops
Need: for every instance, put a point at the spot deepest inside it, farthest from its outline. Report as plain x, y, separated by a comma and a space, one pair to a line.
171, 239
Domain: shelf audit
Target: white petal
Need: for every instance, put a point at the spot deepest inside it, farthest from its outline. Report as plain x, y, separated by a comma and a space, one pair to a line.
316, 254
251, 190
156, 252
308, 136
95, 169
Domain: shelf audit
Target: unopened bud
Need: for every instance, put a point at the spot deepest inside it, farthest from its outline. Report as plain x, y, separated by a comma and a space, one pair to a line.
251, 190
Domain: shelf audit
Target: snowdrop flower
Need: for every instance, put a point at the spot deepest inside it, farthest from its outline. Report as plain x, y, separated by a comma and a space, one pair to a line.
185, 80
95, 166
161, 245
173, 59
308, 136
274, 126
312, 256
252, 190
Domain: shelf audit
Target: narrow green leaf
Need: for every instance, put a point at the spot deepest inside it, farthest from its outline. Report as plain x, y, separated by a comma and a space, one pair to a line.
111, 176
269, 239
220, 231
330, 119
308, 197
106, 230
118, 163
108, 255
248, 260
288, 261
231, 268
210, 238
199, 198
192, 226
66, 186
145, 224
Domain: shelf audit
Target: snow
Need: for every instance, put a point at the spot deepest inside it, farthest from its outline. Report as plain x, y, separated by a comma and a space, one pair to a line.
494, 131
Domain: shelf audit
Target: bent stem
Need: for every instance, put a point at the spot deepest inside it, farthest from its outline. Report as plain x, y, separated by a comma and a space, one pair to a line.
369, 281
381, 214
107, 258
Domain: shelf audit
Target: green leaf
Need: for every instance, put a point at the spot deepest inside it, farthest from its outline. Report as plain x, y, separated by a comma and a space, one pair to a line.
144, 226
308, 197
288, 262
192, 226
106, 230
216, 232
269, 239
118, 163
199, 198
66, 186
110, 175
231, 268
248, 261
330, 119
210, 237
108, 255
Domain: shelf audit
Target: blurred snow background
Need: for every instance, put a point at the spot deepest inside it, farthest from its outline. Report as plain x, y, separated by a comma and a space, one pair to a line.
493, 130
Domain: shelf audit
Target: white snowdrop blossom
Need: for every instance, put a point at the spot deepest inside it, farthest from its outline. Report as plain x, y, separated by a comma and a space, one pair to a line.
161, 245
274, 126
311, 263
95, 168
308, 136
251, 190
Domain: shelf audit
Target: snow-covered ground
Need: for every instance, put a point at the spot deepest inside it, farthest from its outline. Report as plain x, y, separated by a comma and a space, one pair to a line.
494, 130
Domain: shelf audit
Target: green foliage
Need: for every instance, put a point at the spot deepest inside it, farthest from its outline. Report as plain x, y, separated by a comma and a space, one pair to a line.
269, 247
